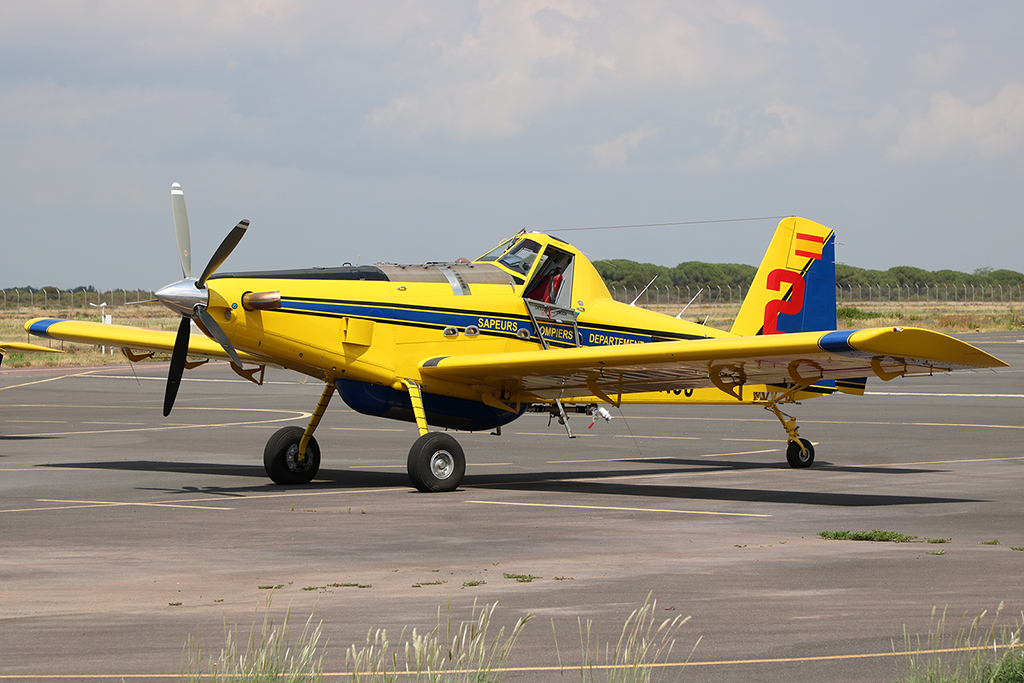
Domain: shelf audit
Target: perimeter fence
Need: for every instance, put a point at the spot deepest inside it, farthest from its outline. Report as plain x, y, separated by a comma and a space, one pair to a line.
87, 301
53, 299
666, 295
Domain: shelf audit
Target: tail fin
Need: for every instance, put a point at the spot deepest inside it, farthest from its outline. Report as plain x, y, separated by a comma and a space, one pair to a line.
795, 287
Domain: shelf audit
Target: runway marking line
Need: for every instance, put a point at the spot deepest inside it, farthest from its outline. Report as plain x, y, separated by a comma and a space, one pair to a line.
292, 415
562, 668
658, 457
86, 504
615, 509
48, 379
642, 436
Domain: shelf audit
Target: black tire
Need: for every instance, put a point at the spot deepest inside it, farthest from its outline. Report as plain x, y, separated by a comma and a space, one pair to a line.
279, 457
436, 463
795, 455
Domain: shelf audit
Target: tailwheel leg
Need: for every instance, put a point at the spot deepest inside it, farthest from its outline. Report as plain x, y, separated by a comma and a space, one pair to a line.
799, 452
436, 460
292, 455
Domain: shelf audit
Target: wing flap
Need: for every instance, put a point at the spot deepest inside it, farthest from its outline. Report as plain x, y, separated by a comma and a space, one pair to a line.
799, 358
99, 334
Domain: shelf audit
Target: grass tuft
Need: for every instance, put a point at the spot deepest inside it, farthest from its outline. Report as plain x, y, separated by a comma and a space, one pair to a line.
873, 535
974, 654
521, 578
269, 655
450, 653
642, 644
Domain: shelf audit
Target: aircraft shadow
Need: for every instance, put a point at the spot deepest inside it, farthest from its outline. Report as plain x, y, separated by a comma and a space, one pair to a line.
716, 464
572, 482
552, 481
326, 478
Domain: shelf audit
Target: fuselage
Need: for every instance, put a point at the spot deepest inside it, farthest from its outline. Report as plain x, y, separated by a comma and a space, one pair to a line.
368, 328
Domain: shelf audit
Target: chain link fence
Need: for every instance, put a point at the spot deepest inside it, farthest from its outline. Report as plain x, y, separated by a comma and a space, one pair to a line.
668, 295
53, 299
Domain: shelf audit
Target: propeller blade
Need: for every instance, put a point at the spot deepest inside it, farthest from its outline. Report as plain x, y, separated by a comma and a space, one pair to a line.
178, 358
181, 233
223, 251
218, 333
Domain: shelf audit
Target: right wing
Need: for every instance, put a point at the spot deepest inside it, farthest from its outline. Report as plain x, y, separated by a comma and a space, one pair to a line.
728, 363
125, 336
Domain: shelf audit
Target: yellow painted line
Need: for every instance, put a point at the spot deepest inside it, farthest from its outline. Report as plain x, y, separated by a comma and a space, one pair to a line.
89, 504
618, 459
48, 379
616, 509
364, 429
561, 668
719, 455
296, 415
757, 440
942, 462
113, 423
80, 504
626, 458
560, 434
641, 436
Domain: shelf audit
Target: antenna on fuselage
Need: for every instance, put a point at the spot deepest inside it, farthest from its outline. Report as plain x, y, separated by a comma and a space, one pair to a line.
680, 316
642, 291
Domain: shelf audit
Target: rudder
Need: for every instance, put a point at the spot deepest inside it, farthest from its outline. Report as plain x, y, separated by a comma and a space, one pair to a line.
795, 286
795, 289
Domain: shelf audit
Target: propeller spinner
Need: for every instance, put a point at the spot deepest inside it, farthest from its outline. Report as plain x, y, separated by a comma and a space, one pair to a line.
190, 297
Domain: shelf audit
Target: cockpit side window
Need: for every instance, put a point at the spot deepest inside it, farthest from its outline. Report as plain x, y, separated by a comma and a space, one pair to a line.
520, 257
495, 254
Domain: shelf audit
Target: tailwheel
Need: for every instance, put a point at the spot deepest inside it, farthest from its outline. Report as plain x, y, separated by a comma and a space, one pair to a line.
436, 463
281, 457
800, 457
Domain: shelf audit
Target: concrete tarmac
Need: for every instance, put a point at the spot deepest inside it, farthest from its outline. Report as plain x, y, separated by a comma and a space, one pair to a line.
123, 533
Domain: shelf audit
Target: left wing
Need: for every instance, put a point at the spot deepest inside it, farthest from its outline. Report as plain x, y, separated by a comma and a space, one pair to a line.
799, 359
19, 346
125, 336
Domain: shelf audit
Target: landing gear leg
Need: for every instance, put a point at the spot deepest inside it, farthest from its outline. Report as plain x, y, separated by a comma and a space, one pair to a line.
292, 455
436, 461
799, 452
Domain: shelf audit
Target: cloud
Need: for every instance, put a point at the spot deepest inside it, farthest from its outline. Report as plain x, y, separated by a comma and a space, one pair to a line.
526, 58
940, 62
614, 153
760, 137
952, 126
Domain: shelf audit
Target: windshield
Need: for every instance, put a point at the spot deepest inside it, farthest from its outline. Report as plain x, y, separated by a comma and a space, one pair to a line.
520, 257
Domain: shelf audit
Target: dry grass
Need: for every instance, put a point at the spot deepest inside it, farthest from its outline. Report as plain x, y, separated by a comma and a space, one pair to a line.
949, 317
12, 328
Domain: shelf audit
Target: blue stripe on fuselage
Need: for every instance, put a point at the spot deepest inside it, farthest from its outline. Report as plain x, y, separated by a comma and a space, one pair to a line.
555, 333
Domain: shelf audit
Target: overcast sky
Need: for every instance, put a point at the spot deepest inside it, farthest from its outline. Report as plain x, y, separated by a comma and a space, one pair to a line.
426, 131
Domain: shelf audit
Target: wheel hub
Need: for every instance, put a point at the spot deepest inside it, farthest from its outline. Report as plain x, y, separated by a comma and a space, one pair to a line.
291, 458
442, 464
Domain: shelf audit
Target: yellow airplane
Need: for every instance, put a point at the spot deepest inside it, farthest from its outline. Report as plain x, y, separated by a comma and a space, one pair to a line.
472, 345
5, 347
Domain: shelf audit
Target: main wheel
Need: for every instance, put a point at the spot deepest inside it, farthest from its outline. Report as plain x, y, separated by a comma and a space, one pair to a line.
796, 457
281, 457
436, 463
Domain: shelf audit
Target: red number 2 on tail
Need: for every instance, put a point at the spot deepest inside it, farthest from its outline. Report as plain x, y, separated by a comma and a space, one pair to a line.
777, 306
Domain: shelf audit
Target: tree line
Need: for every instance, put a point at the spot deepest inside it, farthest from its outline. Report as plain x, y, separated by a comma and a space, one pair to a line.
623, 273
